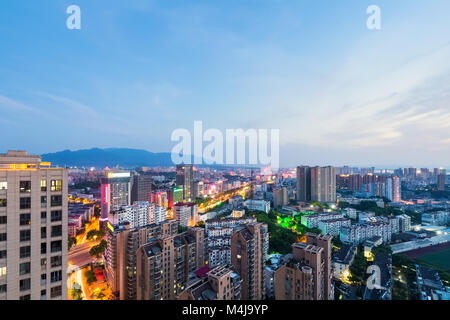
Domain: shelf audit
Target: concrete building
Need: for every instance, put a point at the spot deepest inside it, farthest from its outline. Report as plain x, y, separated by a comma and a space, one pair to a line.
303, 184
323, 184
164, 264
257, 205
220, 283
342, 260
137, 215
359, 233
312, 220
280, 197
441, 179
115, 193
383, 290
218, 233
33, 228
120, 254
186, 214
185, 178
404, 223
307, 276
141, 187
439, 218
333, 226
249, 249
316, 184
430, 285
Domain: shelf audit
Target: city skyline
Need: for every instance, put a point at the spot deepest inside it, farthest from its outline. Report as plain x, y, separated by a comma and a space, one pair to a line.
136, 72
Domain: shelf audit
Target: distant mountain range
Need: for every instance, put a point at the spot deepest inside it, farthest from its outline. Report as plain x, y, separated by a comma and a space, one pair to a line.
110, 157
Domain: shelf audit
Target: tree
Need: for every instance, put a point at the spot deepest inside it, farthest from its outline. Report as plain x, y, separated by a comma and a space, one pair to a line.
98, 249
95, 234
77, 293
90, 276
359, 267
71, 242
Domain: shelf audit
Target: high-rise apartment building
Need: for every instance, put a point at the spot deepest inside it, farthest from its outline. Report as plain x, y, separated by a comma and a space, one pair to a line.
393, 189
115, 193
249, 249
280, 197
33, 228
141, 187
120, 254
164, 264
307, 276
304, 183
185, 178
441, 180
316, 184
323, 184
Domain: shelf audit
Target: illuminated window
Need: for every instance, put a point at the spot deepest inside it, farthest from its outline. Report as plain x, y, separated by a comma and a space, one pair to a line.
43, 185
3, 185
3, 203
25, 186
56, 185
2, 271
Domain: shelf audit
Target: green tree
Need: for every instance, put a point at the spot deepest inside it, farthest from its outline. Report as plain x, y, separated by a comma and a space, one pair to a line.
76, 292
90, 276
71, 242
98, 249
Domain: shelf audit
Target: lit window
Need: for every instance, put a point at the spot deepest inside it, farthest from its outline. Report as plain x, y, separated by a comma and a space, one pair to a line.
2, 271
43, 185
56, 185
3, 185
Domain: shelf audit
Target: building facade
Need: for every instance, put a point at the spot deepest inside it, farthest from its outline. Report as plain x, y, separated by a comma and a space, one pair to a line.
33, 228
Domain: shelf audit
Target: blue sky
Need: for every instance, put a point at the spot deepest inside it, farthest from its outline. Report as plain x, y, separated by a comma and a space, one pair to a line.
137, 70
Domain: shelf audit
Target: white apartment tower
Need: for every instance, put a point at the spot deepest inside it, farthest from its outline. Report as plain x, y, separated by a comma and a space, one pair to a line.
33, 228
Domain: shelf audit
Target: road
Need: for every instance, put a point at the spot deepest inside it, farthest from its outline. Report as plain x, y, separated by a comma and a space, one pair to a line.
221, 197
79, 256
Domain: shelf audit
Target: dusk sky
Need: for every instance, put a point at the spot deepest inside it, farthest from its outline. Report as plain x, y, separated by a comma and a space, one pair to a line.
137, 70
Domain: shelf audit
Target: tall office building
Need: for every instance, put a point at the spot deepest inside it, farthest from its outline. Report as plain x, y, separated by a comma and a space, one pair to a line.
115, 192
164, 264
307, 276
249, 249
441, 179
141, 187
33, 228
185, 178
304, 183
